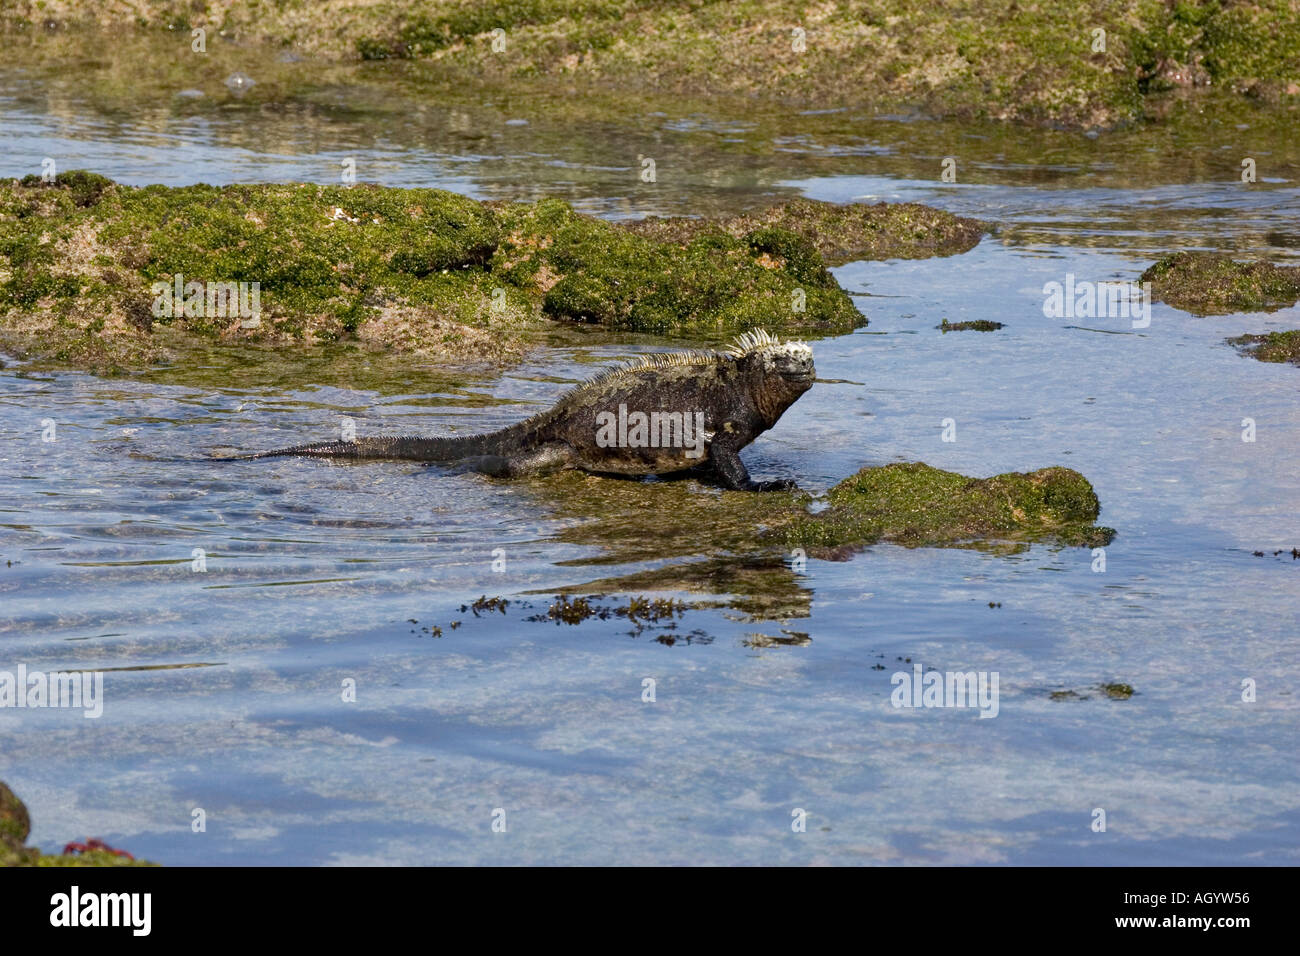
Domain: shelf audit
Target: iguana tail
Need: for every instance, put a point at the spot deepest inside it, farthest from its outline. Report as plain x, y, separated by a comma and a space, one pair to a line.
392, 447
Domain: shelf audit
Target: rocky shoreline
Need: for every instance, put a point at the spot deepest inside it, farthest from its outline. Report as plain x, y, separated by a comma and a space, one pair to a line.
1110, 64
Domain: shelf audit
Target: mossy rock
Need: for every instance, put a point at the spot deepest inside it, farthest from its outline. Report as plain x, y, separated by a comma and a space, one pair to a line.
418, 270
914, 504
840, 233
79, 258
1211, 283
1271, 346
714, 284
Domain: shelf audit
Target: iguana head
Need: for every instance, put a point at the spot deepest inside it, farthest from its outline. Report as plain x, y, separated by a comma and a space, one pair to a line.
776, 372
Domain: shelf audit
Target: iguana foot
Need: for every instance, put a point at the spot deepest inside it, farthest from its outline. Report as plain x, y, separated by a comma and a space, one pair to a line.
731, 473
784, 484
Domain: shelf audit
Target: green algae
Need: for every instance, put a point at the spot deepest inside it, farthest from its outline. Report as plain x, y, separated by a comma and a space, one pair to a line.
1271, 346
1251, 48
417, 271
915, 504
79, 187
1207, 283
404, 269
422, 34
15, 827
1025, 62
715, 284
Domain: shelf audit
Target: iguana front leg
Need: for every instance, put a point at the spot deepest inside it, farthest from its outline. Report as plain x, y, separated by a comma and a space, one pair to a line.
731, 472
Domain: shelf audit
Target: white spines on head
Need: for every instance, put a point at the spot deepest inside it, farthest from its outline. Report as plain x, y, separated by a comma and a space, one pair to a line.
751, 341
760, 340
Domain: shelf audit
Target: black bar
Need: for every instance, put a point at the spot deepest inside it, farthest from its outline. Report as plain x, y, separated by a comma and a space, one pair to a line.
995, 905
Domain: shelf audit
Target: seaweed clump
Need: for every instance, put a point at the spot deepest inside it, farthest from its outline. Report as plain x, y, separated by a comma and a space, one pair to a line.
1112, 691
1212, 283
1271, 346
915, 504
975, 325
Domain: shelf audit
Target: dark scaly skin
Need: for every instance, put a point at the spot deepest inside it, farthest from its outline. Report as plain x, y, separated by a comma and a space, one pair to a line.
741, 392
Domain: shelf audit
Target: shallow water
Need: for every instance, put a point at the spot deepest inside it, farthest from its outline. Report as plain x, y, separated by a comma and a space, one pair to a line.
223, 687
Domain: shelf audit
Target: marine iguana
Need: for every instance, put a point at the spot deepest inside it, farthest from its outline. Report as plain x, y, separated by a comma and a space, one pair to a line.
662, 413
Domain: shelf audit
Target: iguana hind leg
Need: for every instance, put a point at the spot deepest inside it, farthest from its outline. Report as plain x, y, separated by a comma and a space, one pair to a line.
544, 460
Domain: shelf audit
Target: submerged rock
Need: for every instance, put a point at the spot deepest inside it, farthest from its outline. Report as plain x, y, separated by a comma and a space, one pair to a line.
1207, 283
975, 325
1113, 691
1212, 283
1271, 346
840, 233
914, 504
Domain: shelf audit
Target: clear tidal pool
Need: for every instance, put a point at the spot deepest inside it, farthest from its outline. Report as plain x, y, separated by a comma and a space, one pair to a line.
224, 687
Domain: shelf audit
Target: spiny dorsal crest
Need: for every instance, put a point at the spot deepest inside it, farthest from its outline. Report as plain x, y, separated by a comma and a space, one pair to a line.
745, 344
751, 341
655, 360
757, 340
